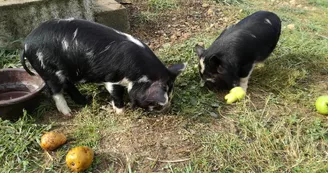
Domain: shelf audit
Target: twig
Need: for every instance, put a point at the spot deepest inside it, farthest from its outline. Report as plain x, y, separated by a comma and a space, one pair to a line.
168, 161
322, 36
50, 157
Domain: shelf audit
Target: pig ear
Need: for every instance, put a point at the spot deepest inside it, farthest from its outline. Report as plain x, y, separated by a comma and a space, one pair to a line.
176, 69
199, 50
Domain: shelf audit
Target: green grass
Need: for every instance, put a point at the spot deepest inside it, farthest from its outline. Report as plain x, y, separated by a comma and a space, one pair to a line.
319, 3
19, 145
160, 5
275, 129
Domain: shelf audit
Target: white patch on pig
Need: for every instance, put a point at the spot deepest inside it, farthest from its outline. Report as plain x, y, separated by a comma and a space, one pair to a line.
202, 65
211, 80
243, 83
253, 35
106, 48
75, 33
143, 79
267, 21
65, 44
90, 53
60, 76
109, 86
130, 85
82, 81
132, 39
61, 104
117, 110
25, 47
40, 57
166, 100
124, 82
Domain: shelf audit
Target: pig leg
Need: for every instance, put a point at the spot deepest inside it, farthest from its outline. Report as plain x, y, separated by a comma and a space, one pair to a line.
117, 93
57, 95
245, 74
75, 94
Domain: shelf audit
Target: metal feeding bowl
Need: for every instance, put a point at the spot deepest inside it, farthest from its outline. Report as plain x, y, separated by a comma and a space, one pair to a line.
18, 91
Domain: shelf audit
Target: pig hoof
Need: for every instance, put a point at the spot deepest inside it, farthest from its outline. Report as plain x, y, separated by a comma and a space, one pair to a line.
119, 111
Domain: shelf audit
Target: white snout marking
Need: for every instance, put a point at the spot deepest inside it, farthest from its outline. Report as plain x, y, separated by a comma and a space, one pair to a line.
40, 57
61, 104
60, 76
132, 39
65, 44
75, 33
25, 47
202, 65
166, 100
143, 79
267, 21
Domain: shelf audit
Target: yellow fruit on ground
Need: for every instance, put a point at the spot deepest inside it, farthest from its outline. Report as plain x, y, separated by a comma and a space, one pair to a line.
235, 94
239, 92
79, 158
52, 140
231, 97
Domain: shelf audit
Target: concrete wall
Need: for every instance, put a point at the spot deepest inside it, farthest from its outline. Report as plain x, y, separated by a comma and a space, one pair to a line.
19, 17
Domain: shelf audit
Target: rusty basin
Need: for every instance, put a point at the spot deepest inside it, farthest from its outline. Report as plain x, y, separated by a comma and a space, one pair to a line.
18, 91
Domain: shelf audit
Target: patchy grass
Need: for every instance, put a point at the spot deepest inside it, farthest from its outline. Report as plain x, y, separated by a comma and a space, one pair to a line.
19, 145
160, 5
275, 129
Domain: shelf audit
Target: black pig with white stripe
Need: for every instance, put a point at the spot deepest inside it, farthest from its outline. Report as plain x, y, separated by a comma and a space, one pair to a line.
229, 61
66, 51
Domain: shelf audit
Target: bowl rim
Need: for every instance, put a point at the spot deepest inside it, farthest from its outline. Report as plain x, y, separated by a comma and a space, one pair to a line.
25, 97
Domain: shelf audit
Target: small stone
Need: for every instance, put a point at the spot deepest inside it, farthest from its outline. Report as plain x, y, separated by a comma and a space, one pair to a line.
291, 26
214, 115
210, 12
205, 5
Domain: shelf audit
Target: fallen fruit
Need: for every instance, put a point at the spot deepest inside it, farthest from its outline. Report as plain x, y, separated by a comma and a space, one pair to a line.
79, 158
236, 93
321, 104
231, 97
52, 140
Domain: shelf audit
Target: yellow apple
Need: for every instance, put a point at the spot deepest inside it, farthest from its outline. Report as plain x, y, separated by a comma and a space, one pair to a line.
235, 94
321, 104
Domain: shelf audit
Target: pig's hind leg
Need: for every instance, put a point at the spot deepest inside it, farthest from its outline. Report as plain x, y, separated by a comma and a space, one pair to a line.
56, 88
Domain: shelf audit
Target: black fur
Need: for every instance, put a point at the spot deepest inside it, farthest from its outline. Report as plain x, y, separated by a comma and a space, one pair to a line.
238, 47
83, 51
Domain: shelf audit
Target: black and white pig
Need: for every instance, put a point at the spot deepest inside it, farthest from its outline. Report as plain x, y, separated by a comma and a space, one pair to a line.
66, 51
229, 61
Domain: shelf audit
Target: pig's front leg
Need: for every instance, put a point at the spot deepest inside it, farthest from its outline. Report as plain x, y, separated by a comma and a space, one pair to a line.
117, 93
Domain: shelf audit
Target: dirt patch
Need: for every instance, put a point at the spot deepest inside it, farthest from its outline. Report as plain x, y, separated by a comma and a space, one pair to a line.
178, 24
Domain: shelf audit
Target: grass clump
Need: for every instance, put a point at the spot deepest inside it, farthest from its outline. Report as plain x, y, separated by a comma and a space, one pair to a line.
230, 2
19, 144
162, 5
